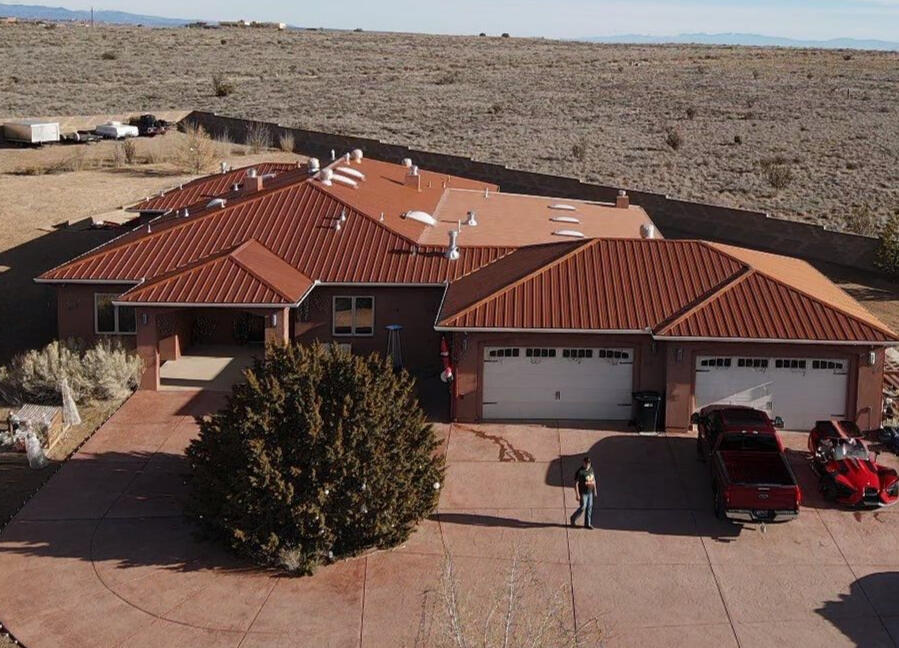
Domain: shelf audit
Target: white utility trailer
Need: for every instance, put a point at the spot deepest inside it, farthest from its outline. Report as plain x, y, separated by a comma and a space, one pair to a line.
116, 130
31, 131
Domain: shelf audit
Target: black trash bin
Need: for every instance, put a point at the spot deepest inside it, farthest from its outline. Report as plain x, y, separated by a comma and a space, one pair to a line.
646, 415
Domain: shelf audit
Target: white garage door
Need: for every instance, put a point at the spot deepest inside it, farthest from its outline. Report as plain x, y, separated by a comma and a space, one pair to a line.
557, 383
799, 390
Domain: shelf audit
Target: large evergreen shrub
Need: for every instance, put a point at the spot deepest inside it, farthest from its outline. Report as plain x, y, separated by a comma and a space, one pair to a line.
320, 454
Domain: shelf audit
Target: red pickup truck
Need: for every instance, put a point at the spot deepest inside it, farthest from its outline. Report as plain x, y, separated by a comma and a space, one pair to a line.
751, 479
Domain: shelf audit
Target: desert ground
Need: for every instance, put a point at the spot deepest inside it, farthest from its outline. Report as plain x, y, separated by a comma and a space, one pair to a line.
601, 112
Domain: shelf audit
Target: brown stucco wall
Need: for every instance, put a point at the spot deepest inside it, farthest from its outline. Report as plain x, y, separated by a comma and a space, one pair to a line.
468, 352
865, 382
75, 312
413, 308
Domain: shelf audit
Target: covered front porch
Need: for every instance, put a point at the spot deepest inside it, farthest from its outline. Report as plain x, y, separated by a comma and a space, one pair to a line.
204, 347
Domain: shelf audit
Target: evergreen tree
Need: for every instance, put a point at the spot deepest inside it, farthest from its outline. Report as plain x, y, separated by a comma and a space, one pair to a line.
320, 454
888, 253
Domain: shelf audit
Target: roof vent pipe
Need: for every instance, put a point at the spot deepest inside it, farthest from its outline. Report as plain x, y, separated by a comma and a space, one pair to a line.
452, 252
333, 154
314, 165
357, 155
413, 178
251, 173
224, 167
647, 231
235, 187
407, 162
472, 220
347, 158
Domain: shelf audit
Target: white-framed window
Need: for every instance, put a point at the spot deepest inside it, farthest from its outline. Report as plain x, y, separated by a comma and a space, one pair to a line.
111, 319
353, 316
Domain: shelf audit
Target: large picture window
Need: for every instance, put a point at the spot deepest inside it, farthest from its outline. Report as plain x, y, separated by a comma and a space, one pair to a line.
354, 316
112, 319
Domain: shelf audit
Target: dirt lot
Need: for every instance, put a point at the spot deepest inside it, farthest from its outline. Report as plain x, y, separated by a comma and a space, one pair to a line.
830, 116
34, 206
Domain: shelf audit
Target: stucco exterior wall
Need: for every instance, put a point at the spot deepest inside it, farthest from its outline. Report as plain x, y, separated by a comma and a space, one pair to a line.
413, 308
75, 312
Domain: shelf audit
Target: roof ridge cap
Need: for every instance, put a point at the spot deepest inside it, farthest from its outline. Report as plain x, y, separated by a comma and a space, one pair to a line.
880, 326
363, 213
577, 247
725, 285
255, 273
826, 304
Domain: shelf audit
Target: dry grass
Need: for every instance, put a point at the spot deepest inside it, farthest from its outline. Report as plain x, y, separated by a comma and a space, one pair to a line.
523, 102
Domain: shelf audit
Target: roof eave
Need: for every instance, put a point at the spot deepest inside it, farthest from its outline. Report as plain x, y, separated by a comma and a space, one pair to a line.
743, 340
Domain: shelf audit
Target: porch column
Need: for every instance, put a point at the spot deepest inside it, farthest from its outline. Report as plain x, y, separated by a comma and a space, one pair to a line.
148, 348
277, 326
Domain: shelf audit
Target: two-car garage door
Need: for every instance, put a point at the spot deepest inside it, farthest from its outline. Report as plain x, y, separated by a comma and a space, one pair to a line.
557, 383
799, 390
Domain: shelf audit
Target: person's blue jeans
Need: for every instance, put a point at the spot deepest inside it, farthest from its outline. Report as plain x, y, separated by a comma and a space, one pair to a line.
586, 508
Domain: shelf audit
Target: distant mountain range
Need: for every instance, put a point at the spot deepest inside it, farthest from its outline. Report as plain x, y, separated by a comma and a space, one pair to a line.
39, 12
750, 40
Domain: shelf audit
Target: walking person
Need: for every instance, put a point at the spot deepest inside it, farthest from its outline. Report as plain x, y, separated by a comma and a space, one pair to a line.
585, 490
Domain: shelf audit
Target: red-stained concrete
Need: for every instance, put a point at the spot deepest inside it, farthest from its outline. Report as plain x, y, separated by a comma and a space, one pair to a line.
102, 556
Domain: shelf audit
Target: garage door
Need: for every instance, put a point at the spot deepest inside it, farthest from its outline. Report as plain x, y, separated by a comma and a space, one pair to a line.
799, 390
557, 383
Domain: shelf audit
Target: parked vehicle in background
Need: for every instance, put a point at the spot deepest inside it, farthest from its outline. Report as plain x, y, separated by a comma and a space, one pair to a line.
751, 478
116, 130
80, 137
148, 125
846, 470
31, 131
888, 437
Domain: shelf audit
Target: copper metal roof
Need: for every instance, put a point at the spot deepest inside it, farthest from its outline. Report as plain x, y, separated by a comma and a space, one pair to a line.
687, 289
204, 189
296, 222
247, 274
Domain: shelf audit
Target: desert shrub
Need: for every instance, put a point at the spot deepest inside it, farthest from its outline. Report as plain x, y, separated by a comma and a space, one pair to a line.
221, 86
887, 258
738, 139
117, 156
777, 172
448, 78
129, 150
112, 371
196, 152
259, 137
580, 149
862, 220
109, 56
320, 454
102, 372
286, 142
691, 112
674, 139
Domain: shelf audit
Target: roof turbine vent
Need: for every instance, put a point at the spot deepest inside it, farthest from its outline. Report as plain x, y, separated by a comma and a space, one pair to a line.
407, 162
251, 173
452, 252
647, 231
314, 165
357, 155
472, 220
326, 176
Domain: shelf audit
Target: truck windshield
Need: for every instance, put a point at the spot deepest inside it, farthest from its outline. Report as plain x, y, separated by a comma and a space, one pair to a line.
758, 442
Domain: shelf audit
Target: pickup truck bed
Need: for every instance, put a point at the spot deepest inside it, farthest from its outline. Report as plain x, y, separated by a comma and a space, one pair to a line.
756, 468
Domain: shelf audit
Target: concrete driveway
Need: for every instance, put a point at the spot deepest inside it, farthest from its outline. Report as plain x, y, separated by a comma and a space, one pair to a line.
102, 557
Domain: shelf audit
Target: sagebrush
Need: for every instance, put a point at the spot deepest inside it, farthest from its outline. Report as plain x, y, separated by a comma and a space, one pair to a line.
104, 371
320, 454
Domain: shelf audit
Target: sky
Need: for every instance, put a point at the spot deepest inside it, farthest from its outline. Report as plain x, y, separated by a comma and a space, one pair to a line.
800, 19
